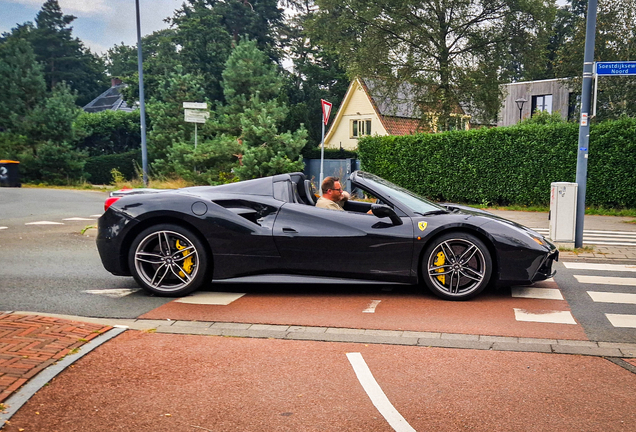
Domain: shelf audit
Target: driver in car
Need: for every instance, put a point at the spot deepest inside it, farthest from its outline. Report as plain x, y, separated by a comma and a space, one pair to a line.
333, 197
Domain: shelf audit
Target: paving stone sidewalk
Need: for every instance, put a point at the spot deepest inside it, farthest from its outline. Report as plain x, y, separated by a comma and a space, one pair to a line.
31, 343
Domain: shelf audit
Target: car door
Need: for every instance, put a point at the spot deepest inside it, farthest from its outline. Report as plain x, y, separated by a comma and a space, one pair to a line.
323, 242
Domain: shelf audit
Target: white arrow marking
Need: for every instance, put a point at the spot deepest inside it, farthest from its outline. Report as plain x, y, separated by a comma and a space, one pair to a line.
113, 293
372, 306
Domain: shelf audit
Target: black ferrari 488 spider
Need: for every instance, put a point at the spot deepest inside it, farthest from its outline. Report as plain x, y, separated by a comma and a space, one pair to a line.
175, 241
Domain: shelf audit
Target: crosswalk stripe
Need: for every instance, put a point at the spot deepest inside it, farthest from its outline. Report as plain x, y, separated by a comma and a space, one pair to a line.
552, 317
612, 297
113, 293
602, 267
606, 280
622, 320
537, 293
210, 298
602, 238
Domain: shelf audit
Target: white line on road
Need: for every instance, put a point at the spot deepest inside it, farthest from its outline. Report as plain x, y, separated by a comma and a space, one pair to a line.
377, 396
612, 297
113, 293
44, 223
78, 219
537, 293
603, 267
1, 228
372, 306
552, 317
211, 298
606, 280
620, 320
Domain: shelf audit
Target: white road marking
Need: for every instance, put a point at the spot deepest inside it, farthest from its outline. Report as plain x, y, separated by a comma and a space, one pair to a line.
602, 267
606, 280
44, 223
372, 306
612, 297
621, 320
211, 298
552, 317
1, 228
377, 396
113, 293
78, 219
95, 216
537, 293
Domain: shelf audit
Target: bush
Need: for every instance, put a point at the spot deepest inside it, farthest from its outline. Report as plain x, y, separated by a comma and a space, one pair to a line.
508, 165
99, 168
330, 153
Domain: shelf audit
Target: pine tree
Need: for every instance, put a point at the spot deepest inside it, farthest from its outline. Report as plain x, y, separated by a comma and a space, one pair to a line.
250, 85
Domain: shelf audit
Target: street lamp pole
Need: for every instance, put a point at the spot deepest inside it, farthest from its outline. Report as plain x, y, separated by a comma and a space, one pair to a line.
142, 103
520, 103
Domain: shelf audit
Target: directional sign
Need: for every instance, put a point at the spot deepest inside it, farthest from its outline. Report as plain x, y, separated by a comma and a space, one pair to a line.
616, 68
195, 105
196, 116
326, 110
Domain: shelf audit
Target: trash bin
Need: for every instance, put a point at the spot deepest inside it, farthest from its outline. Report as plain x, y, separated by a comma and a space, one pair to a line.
9, 173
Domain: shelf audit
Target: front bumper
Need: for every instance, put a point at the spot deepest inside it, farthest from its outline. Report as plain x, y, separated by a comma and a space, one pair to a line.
545, 270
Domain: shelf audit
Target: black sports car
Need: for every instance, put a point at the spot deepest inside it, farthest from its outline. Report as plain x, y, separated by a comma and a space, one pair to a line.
175, 241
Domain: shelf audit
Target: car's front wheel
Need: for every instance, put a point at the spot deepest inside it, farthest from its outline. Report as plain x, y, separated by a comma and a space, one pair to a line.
456, 266
168, 260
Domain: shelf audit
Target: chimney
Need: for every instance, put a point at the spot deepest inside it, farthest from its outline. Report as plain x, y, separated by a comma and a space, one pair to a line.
115, 82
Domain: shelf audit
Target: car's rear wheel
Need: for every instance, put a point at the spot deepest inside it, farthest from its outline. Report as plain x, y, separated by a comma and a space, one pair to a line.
168, 260
456, 266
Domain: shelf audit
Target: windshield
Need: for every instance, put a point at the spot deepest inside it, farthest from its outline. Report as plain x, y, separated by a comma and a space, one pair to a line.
416, 203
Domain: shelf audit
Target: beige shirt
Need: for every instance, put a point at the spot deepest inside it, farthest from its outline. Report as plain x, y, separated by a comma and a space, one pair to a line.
328, 204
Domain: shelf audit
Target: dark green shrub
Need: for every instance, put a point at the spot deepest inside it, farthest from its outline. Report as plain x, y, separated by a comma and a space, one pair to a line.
508, 165
99, 167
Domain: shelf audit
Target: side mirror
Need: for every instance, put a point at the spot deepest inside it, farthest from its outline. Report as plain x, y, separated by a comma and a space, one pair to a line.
382, 211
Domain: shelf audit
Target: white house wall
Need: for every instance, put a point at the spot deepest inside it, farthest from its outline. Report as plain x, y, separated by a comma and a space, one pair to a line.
357, 107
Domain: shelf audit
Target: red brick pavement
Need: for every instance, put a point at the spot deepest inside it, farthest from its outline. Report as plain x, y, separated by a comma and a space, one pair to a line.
30, 343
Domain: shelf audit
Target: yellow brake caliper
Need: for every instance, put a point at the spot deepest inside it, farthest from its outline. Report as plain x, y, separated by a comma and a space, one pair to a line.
439, 261
187, 263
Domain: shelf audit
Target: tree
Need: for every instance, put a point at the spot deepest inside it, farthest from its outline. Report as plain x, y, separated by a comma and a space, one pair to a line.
447, 49
206, 30
316, 75
250, 84
24, 84
64, 58
107, 132
615, 41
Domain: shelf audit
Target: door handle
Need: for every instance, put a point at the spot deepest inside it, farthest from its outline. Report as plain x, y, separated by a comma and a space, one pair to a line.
289, 231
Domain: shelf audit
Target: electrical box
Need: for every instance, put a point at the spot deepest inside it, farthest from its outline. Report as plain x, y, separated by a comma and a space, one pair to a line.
563, 211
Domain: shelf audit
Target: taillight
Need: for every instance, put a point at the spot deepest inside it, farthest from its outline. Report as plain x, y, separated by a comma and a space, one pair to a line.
109, 202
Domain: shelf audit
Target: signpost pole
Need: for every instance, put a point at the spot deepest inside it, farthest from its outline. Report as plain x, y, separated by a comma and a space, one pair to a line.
322, 155
584, 125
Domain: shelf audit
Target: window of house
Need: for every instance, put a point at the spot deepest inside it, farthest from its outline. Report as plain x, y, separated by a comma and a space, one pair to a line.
542, 103
360, 128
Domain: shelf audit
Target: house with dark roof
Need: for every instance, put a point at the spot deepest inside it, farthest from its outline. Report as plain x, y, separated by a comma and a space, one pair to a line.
111, 99
368, 109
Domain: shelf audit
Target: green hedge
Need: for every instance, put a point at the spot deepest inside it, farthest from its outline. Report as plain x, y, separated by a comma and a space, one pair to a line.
330, 153
508, 165
99, 167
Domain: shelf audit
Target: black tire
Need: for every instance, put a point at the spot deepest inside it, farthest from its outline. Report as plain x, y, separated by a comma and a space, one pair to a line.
456, 266
168, 260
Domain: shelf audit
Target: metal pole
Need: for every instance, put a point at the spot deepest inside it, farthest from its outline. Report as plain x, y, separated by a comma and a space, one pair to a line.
584, 125
322, 155
142, 102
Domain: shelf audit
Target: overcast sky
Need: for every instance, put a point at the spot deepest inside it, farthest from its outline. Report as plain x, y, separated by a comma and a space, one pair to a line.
100, 24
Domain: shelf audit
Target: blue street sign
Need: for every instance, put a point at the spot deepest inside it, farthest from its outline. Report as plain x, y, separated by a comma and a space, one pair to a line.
616, 68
